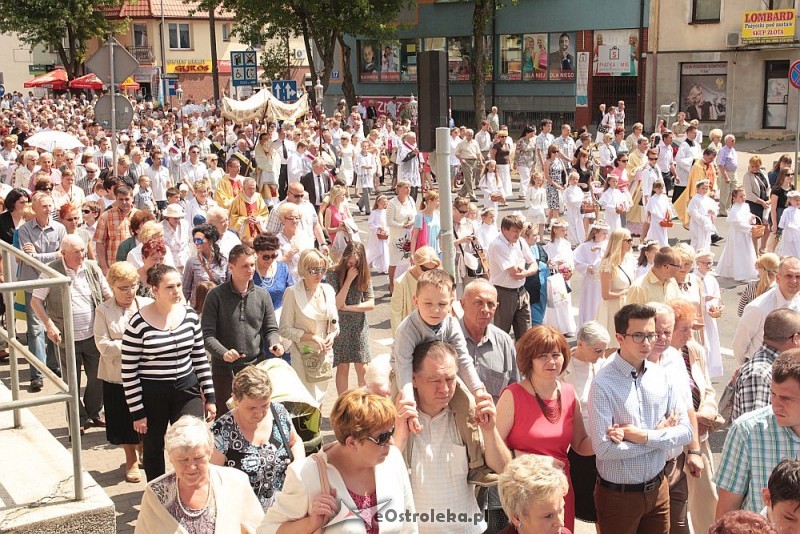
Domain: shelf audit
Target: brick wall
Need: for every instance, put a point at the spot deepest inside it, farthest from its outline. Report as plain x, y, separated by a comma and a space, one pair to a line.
199, 86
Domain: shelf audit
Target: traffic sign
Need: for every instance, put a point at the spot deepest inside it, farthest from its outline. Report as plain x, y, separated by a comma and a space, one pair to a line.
244, 68
2, 90
794, 74
100, 63
285, 90
124, 109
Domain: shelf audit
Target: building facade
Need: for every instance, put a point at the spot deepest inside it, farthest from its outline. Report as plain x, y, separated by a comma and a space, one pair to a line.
186, 45
544, 59
22, 62
724, 63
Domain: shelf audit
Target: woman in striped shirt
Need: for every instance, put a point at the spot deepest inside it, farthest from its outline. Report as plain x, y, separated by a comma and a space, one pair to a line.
164, 366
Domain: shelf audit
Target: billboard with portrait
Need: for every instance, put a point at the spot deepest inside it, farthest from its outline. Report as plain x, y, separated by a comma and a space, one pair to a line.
704, 91
459, 55
561, 60
369, 57
390, 61
534, 56
616, 53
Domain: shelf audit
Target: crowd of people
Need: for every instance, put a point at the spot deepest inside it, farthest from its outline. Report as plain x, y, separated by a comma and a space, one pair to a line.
213, 248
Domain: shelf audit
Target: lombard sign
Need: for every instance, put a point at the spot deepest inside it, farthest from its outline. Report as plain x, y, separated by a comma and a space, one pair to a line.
776, 26
188, 66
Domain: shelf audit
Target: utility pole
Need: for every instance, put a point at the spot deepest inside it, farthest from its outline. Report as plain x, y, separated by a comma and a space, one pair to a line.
212, 23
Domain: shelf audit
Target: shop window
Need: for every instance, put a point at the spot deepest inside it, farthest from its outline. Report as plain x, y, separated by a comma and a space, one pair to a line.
435, 43
179, 36
706, 10
510, 57
459, 56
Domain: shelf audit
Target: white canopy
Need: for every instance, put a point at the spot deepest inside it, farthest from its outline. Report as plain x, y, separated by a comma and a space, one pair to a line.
263, 105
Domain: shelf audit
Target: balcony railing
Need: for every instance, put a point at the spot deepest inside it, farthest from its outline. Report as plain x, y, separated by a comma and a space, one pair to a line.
143, 54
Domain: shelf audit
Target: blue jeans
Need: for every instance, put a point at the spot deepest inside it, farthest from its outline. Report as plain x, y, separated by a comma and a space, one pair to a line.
38, 344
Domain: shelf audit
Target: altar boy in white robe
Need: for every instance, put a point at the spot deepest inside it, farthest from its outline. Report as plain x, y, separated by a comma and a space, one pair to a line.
703, 212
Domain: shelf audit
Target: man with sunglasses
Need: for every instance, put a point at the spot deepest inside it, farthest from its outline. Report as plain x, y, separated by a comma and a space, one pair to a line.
194, 169
635, 419
752, 389
659, 284
309, 222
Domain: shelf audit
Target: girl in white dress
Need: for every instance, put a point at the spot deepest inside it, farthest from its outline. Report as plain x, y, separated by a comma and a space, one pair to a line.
573, 198
658, 209
377, 248
487, 231
491, 186
536, 200
562, 263
647, 254
712, 307
702, 212
587, 262
789, 226
347, 153
615, 203
738, 257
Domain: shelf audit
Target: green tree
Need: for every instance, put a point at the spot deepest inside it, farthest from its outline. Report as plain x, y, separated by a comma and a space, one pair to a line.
66, 25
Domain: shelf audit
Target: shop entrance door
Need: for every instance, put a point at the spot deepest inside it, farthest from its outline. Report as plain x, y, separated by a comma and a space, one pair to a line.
776, 94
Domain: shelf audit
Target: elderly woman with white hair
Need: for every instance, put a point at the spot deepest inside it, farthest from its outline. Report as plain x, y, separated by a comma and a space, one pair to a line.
197, 497
588, 357
532, 492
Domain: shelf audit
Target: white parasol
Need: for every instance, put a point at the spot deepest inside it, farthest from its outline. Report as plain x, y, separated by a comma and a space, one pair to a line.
51, 139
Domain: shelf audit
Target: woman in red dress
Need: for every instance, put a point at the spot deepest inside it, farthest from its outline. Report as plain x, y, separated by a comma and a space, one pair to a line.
540, 415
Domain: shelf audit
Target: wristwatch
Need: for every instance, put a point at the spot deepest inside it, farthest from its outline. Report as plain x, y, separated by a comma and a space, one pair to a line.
698, 452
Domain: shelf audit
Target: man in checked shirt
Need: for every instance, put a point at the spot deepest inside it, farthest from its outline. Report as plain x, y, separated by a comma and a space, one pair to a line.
635, 420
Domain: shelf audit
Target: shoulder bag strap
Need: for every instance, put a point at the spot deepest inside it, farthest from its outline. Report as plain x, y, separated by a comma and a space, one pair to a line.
322, 467
277, 422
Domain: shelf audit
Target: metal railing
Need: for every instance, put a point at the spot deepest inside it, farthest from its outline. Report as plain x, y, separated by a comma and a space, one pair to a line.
143, 54
68, 392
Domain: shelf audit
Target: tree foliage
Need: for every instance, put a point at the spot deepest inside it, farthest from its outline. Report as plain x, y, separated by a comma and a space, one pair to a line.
66, 25
321, 24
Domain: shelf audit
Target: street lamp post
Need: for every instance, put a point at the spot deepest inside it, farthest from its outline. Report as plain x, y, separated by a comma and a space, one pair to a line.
179, 94
163, 59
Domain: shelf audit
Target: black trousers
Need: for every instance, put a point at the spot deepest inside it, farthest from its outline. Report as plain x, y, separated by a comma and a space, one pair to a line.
163, 405
283, 182
668, 181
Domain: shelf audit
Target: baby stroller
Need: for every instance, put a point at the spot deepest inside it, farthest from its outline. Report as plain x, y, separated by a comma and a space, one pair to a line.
293, 395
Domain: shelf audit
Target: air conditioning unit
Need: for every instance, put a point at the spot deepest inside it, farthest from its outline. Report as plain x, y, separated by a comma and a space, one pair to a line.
733, 40
299, 53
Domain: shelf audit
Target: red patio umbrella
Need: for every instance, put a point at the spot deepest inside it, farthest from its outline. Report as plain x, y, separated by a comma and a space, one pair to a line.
55, 79
88, 81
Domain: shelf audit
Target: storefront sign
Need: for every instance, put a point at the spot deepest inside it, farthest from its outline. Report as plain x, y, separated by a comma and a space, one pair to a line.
777, 26
704, 91
188, 66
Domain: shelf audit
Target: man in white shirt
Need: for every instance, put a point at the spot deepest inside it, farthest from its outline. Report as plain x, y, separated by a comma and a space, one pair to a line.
160, 179
298, 164
688, 152
543, 142
566, 145
285, 147
194, 169
508, 258
309, 222
750, 329
438, 450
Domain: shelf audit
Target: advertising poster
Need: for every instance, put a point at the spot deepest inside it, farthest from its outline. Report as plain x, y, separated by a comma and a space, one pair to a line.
704, 91
616, 53
408, 60
459, 55
582, 81
561, 60
368, 61
390, 62
534, 56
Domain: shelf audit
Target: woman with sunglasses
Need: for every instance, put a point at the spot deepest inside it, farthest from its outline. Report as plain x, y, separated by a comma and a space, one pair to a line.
292, 240
615, 280
70, 217
362, 467
207, 264
271, 273
310, 320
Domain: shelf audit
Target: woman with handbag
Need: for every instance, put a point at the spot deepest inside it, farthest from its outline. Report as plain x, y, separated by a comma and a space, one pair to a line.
361, 470
310, 321
756, 188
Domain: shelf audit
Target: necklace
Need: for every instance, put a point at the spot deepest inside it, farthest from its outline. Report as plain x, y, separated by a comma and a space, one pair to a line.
268, 280
191, 512
552, 414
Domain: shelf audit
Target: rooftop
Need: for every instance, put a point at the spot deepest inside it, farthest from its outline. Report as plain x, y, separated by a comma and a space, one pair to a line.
151, 9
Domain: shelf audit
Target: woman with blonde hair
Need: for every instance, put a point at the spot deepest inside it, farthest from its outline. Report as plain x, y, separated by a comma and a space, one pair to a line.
767, 267
689, 284
310, 320
532, 492
362, 467
402, 302
757, 188
615, 280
